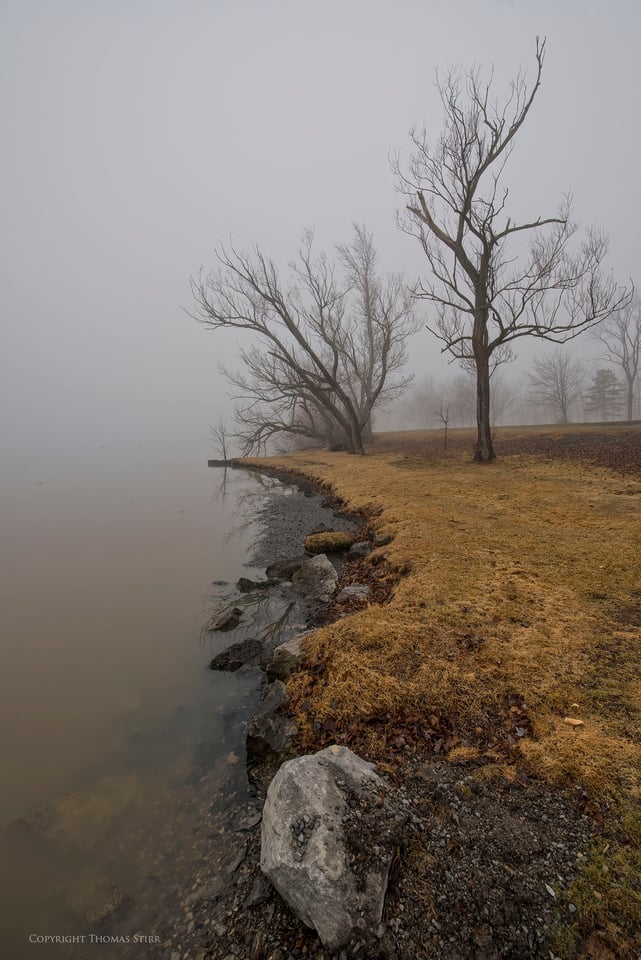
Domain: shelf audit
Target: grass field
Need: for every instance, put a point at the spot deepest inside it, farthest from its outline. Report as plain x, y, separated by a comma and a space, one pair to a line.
515, 608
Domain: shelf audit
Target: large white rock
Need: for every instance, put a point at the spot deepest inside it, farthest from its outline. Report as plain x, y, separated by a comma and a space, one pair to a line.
305, 849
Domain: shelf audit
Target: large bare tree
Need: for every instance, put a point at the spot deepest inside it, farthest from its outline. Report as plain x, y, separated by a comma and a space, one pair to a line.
556, 381
492, 279
328, 347
620, 336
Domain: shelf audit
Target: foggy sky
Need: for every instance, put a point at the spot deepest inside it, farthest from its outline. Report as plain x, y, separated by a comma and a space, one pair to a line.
138, 134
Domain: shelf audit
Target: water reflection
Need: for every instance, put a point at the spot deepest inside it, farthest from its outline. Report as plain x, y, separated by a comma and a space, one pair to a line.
123, 753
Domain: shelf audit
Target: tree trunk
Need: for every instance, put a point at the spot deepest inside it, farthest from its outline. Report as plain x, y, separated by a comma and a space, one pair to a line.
357, 441
629, 398
368, 434
484, 451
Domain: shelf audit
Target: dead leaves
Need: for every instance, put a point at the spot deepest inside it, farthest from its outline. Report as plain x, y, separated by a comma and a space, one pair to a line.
596, 949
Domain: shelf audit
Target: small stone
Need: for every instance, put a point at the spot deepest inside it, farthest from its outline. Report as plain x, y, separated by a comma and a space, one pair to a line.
360, 549
354, 591
248, 823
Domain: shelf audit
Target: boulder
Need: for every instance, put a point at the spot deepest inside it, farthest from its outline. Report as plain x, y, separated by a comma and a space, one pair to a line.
316, 579
269, 731
334, 879
285, 659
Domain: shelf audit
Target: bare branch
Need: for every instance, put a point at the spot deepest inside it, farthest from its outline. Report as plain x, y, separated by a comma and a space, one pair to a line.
492, 280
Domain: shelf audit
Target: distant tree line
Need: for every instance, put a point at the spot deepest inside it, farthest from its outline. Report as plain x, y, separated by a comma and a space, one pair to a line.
558, 387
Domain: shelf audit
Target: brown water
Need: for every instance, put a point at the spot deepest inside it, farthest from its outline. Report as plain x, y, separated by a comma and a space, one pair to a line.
110, 722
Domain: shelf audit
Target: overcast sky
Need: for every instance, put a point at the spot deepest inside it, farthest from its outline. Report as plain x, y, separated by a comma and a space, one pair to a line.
137, 134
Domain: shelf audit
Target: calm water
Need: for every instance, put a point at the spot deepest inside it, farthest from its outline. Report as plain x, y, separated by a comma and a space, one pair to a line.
108, 714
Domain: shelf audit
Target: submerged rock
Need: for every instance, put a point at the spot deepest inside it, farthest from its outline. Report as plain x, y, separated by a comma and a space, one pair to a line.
228, 620
269, 731
284, 569
309, 851
85, 817
95, 898
245, 585
236, 656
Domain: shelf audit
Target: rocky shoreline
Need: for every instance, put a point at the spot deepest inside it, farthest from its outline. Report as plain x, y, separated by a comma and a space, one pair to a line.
491, 858
304, 584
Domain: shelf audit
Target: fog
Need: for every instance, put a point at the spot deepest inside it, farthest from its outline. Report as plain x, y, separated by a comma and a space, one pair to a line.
137, 135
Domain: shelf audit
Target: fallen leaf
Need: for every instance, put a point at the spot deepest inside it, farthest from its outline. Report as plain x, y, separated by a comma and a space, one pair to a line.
597, 950
572, 722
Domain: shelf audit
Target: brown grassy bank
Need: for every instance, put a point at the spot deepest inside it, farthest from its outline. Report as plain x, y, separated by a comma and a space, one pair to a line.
519, 606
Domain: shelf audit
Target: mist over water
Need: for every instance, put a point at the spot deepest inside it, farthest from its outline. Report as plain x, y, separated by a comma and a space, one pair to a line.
110, 559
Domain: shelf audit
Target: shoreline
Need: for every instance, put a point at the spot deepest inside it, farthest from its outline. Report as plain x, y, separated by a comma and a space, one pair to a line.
247, 919
200, 930
490, 857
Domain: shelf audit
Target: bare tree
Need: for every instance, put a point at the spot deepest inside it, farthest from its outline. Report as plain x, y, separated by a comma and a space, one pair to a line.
414, 409
502, 397
330, 345
222, 436
557, 382
443, 415
486, 284
461, 396
620, 336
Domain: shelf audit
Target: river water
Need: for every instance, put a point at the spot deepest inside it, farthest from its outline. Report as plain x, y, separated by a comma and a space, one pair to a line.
112, 727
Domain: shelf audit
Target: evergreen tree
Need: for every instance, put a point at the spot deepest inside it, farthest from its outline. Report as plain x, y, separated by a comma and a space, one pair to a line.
605, 395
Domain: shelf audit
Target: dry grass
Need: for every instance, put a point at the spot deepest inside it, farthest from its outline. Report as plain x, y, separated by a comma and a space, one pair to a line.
329, 541
521, 583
